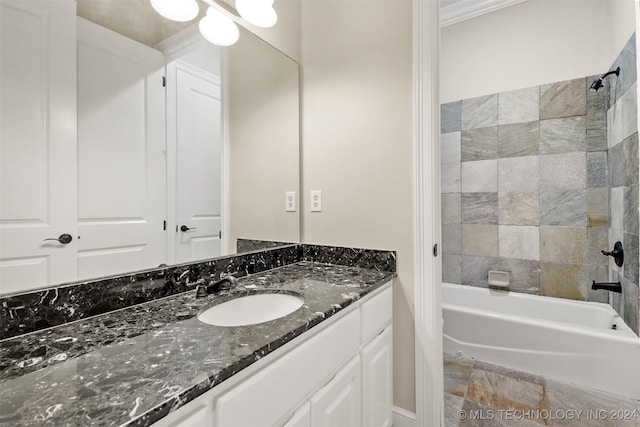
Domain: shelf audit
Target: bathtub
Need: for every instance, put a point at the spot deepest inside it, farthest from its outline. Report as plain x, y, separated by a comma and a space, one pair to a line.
571, 341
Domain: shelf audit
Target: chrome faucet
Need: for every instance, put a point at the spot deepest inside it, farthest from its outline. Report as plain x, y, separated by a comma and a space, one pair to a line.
607, 286
212, 287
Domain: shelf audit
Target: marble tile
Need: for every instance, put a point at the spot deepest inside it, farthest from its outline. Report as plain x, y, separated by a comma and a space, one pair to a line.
616, 165
563, 171
480, 176
597, 240
457, 372
480, 112
480, 239
597, 170
564, 280
451, 117
630, 210
525, 274
450, 147
616, 206
631, 159
518, 174
519, 106
498, 388
451, 239
450, 178
564, 245
451, 208
615, 299
480, 208
570, 398
480, 144
596, 106
630, 266
622, 117
630, 301
564, 135
519, 242
452, 408
520, 139
451, 268
516, 208
596, 139
563, 99
565, 207
475, 269
615, 124
598, 207
628, 68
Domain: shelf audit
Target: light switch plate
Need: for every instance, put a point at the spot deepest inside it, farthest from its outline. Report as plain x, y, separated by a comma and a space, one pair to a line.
316, 201
290, 200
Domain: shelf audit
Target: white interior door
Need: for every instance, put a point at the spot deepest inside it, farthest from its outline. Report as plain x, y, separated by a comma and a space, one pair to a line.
198, 159
37, 143
121, 164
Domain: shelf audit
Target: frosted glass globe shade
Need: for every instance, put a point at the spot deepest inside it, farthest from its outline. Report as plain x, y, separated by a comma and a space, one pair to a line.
257, 12
176, 10
218, 29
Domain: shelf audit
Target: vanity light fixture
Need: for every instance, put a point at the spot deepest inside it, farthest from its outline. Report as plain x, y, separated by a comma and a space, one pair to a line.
176, 10
258, 12
217, 26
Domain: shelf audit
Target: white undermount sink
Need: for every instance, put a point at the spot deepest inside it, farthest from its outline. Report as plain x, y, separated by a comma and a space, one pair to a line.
251, 309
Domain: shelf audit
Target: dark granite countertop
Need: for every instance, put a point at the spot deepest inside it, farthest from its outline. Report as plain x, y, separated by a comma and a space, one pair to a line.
134, 366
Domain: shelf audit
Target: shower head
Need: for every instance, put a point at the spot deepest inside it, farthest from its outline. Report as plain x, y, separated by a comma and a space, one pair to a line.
597, 84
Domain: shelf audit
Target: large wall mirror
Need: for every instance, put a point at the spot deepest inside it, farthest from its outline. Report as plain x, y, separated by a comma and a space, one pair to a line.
127, 142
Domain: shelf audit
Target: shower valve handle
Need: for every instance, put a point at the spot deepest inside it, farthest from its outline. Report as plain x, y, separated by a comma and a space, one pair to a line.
617, 253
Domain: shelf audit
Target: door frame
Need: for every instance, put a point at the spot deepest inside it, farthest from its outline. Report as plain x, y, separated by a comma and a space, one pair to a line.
428, 264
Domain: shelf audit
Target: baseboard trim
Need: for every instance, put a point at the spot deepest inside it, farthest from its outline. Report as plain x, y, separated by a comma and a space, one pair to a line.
403, 418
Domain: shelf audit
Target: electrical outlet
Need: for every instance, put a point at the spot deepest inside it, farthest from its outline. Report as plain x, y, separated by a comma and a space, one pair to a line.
290, 199
316, 201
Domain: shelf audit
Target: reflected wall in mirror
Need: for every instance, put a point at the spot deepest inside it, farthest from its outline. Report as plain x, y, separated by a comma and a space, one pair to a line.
104, 170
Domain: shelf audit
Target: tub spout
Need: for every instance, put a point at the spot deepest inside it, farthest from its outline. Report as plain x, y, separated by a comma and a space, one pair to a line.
608, 286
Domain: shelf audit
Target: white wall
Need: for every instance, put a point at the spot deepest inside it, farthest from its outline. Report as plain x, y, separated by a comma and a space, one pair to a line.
357, 143
263, 142
532, 43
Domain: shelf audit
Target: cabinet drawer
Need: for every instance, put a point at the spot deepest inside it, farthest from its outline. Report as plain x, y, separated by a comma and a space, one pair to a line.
276, 390
377, 313
337, 404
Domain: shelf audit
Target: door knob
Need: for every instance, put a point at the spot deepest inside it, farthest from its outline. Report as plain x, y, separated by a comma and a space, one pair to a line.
63, 238
185, 228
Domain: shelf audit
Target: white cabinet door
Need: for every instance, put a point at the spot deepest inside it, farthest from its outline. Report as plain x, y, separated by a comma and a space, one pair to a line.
121, 164
37, 143
377, 380
198, 152
338, 403
301, 418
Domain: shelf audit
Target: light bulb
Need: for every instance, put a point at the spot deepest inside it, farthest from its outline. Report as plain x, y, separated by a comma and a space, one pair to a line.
176, 10
218, 28
257, 12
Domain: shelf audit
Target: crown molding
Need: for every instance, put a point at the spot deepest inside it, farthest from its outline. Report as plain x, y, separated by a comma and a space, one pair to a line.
467, 9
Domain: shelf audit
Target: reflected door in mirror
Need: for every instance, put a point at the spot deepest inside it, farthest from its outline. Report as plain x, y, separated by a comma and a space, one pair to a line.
37, 143
199, 162
121, 163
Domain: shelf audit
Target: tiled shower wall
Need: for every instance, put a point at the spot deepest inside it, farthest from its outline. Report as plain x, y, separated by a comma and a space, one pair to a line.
622, 136
526, 188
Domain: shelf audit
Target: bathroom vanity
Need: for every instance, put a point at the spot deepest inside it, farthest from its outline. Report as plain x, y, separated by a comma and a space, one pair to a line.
328, 363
